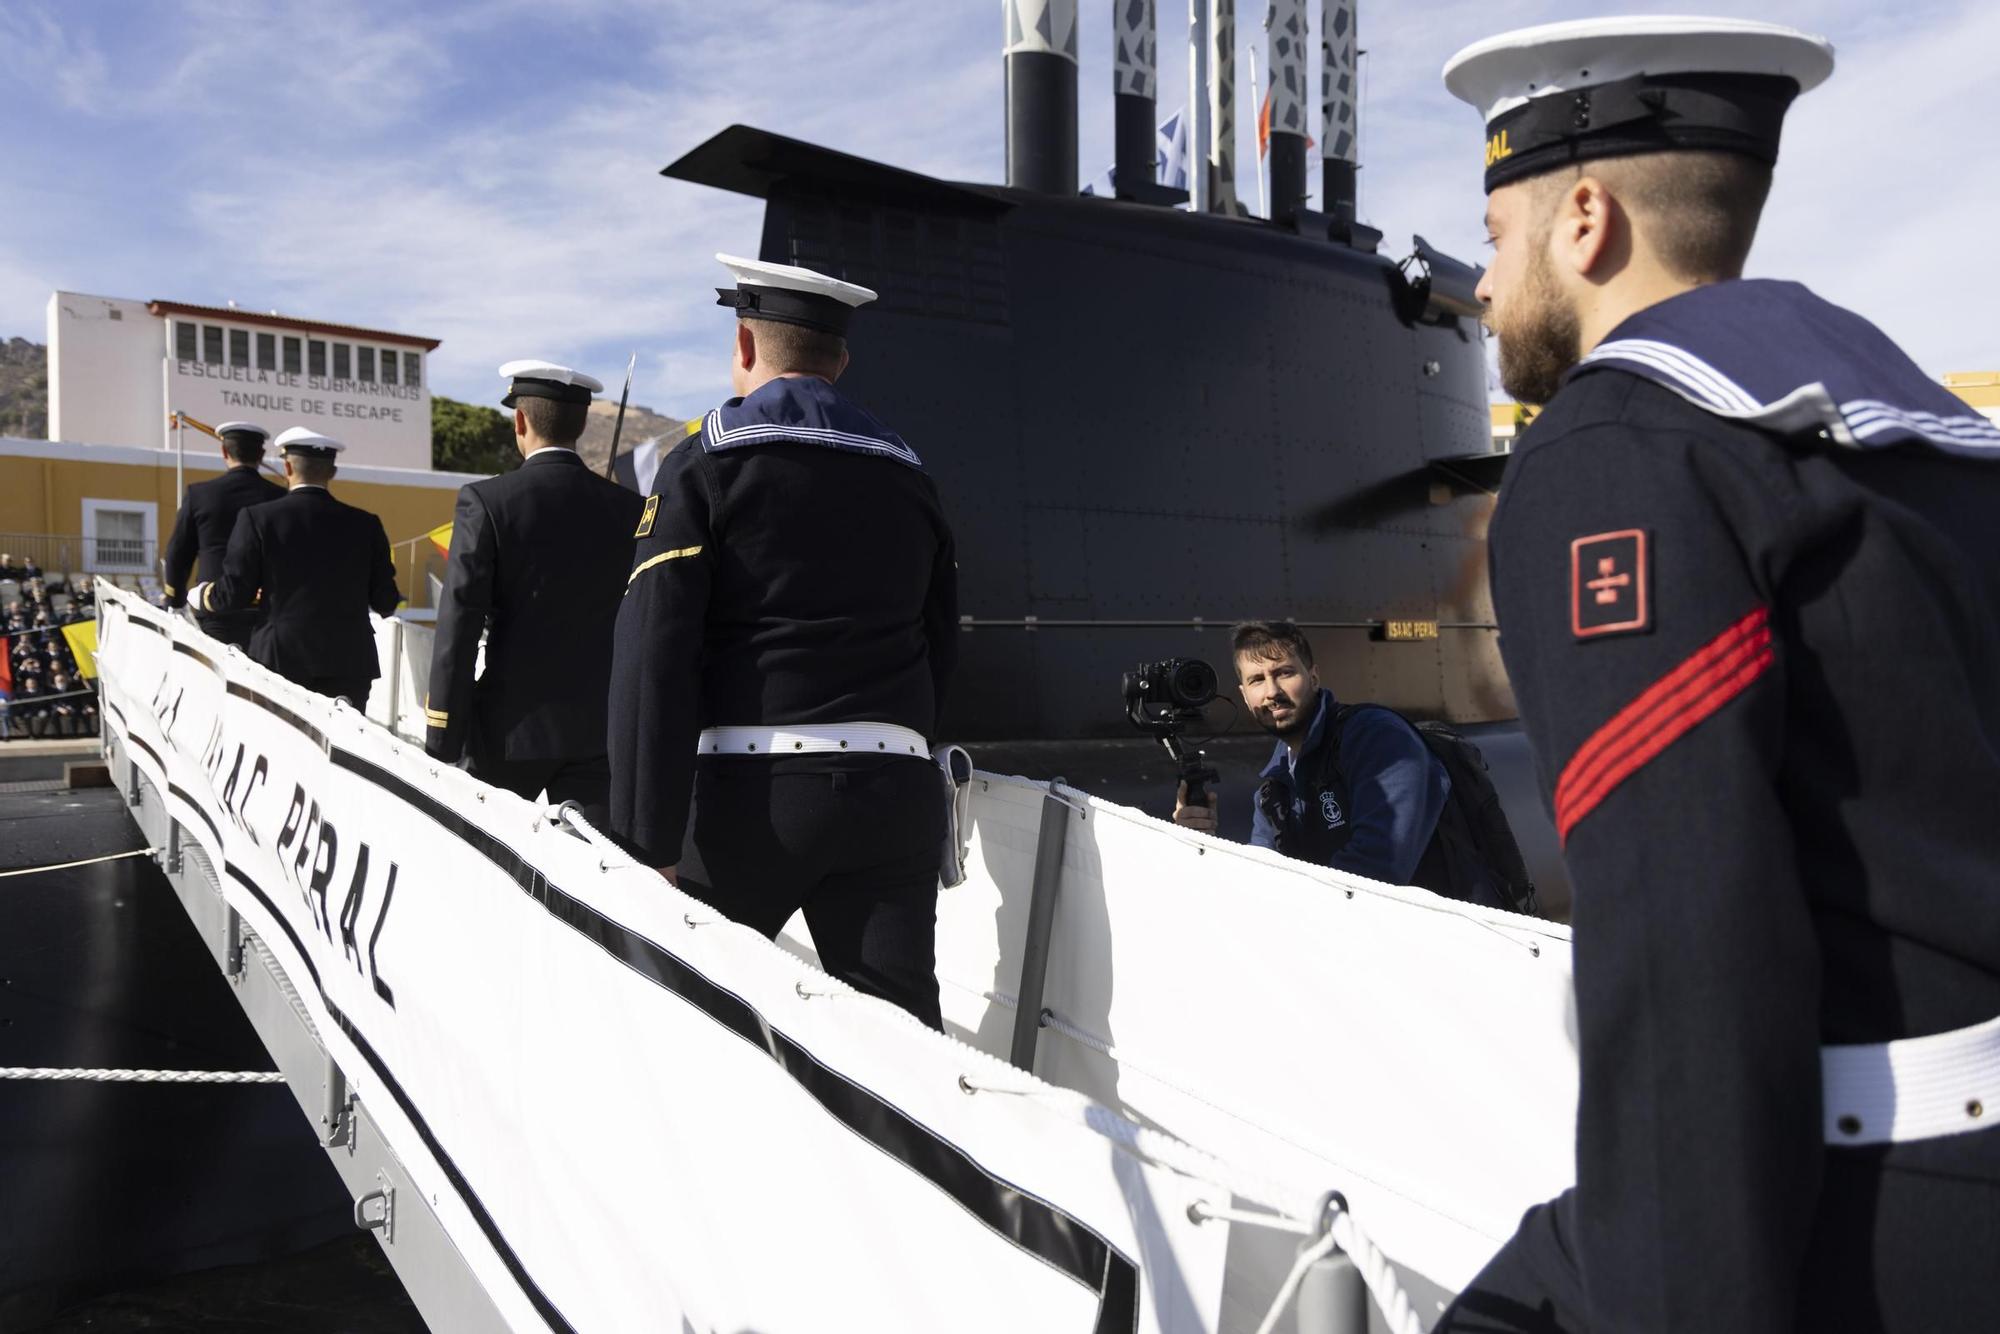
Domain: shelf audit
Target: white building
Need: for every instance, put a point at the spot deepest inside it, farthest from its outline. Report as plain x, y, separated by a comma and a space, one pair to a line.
119, 370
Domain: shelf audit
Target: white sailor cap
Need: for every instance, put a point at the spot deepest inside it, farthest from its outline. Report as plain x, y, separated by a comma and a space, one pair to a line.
243, 428
1595, 88
790, 295
299, 440
545, 379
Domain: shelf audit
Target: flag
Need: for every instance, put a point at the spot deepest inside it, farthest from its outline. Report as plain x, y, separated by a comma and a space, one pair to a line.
82, 637
6, 670
1264, 128
1170, 164
440, 537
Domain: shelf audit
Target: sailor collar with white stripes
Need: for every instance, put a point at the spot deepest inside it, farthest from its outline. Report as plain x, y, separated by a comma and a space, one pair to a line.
802, 410
1774, 356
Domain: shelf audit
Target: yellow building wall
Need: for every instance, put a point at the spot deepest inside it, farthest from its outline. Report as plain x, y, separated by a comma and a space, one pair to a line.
1979, 389
44, 496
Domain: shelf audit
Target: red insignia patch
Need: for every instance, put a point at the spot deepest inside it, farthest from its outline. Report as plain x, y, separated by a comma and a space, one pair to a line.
1607, 584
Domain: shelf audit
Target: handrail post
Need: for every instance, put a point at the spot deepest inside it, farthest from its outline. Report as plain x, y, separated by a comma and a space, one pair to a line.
1041, 921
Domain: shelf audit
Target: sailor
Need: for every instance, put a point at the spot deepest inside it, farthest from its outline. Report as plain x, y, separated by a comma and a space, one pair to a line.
319, 567
792, 611
538, 561
1748, 582
208, 516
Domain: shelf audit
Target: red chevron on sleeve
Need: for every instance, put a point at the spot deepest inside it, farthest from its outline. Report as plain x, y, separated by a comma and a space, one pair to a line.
1716, 673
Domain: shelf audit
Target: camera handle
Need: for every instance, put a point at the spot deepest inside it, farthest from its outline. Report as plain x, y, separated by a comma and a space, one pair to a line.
1195, 770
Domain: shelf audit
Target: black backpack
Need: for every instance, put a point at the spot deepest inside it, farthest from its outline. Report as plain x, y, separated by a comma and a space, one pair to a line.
1478, 842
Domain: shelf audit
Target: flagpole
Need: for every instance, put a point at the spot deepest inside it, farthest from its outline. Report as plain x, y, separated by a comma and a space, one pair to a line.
618, 427
1263, 204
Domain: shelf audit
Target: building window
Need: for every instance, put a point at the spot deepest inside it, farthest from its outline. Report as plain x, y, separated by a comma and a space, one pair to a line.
388, 365
187, 341
291, 356
315, 357
120, 536
267, 352
211, 344
412, 369
343, 366
239, 347
366, 370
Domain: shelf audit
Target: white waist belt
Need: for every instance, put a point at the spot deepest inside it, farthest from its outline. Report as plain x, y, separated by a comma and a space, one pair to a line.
1913, 1088
815, 739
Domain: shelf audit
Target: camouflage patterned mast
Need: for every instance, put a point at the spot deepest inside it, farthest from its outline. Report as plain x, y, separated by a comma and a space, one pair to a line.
1285, 28
1136, 84
1222, 107
1040, 54
1337, 95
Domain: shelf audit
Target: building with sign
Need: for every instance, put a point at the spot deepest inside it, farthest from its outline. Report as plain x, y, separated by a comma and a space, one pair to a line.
119, 369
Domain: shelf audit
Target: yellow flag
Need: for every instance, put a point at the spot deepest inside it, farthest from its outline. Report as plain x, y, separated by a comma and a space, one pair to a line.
441, 538
82, 637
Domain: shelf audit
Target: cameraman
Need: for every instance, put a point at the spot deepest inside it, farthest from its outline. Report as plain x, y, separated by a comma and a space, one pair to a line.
1363, 796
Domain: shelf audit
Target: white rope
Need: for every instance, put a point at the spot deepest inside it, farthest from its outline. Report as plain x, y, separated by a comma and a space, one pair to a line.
571, 814
87, 861
144, 1076
1377, 1273
1318, 1251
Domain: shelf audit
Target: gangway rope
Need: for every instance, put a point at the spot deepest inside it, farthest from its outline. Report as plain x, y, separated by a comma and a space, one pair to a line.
87, 861
143, 1076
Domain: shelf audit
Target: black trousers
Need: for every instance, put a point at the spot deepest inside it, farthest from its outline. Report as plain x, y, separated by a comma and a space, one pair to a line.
585, 781
354, 689
856, 849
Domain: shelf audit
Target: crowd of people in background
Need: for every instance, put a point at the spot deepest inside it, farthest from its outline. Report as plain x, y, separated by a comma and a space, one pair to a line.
46, 696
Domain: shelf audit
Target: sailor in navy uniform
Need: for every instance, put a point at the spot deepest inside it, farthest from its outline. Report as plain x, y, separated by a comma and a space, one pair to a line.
1748, 582
319, 567
208, 516
792, 612
538, 561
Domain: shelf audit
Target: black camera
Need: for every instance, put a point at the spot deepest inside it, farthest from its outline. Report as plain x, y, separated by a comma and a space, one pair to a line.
1162, 698
1180, 687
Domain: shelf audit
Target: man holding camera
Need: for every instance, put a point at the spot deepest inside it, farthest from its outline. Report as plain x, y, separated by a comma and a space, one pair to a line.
1354, 788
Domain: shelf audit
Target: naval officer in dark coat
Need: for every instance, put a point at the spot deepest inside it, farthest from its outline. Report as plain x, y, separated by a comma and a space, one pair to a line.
1748, 583
792, 614
319, 566
539, 558
208, 516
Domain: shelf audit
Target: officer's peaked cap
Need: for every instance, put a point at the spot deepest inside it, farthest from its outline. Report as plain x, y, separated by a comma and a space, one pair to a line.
790, 295
243, 428
1595, 88
545, 379
311, 444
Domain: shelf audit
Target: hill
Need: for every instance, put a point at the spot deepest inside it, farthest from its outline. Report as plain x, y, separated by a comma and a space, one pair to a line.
24, 389
640, 424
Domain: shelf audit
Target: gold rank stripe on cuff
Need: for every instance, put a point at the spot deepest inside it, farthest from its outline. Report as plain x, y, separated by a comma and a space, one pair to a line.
436, 717
676, 554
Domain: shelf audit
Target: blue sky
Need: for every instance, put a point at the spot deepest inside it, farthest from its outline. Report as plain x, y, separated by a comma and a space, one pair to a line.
486, 172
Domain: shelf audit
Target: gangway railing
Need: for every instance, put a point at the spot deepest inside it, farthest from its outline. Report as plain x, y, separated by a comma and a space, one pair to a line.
566, 1096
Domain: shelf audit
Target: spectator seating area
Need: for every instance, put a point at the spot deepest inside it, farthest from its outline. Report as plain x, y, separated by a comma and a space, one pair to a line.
47, 697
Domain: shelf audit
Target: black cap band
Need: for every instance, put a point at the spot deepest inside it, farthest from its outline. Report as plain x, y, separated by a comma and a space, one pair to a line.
787, 307
526, 387
1647, 113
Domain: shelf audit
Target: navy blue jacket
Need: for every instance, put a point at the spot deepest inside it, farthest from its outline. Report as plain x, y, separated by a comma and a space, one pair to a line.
794, 566
1748, 579
1394, 788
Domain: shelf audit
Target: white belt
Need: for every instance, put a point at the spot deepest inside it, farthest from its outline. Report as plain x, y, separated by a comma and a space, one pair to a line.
1913, 1088
815, 739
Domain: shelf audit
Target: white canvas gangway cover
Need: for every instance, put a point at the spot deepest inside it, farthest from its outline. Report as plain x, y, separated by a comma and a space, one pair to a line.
626, 1112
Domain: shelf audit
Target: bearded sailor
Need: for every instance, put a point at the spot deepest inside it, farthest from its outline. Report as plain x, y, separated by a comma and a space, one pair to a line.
791, 619
1748, 577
